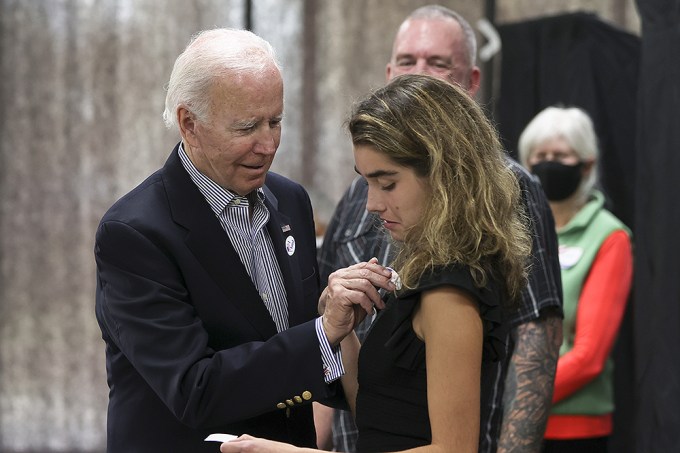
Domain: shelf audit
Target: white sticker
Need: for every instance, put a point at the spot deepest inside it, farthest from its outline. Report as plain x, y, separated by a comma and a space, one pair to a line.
290, 245
569, 256
395, 279
219, 437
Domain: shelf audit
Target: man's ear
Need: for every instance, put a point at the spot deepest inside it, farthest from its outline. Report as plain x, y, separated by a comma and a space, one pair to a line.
187, 124
388, 71
475, 79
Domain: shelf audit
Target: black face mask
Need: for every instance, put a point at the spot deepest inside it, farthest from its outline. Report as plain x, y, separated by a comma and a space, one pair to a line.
559, 181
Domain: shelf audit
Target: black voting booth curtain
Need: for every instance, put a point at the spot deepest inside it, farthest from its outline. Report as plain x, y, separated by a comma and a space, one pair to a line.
657, 227
575, 60
631, 89
579, 60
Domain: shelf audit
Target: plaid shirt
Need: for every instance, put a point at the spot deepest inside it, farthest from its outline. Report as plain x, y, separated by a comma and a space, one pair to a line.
353, 236
543, 291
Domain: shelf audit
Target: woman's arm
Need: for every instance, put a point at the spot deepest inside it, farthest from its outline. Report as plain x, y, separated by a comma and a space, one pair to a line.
598, 317
323, 423
350, 361
448, 322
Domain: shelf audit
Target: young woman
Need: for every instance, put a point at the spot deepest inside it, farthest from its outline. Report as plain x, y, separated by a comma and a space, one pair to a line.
439, 185
560, 146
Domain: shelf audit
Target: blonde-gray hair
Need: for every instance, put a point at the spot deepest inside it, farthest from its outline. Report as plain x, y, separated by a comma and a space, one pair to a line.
473, 215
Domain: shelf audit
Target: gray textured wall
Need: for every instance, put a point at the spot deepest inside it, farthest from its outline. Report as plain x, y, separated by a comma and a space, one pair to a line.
80, 104
81, 95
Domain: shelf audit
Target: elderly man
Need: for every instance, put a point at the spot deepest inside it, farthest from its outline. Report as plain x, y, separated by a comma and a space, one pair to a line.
207, 280
439, 42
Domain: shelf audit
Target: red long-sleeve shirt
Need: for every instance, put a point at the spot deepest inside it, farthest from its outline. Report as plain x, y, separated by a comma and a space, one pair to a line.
598, 317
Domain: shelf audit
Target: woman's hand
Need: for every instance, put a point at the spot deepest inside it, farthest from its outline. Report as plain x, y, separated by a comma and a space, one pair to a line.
250, 444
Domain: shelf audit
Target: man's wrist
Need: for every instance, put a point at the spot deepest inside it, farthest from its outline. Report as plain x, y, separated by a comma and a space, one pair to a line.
321, 307
331, 356
333, 340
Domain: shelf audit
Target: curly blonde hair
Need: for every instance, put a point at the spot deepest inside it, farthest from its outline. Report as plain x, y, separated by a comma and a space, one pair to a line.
474, 216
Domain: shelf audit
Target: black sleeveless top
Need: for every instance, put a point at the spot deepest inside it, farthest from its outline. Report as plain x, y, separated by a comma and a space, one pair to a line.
392, 411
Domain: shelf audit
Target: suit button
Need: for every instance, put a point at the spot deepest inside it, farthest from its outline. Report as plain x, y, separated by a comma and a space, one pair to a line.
281, 406
297, 399
290, 403
306, 395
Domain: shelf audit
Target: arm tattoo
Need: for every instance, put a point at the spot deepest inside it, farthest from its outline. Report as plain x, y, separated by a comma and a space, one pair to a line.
529, 384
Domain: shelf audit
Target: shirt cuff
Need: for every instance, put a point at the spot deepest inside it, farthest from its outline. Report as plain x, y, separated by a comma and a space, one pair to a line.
331, 357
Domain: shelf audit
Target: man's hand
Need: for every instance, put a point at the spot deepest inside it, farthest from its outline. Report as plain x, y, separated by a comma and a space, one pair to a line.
351, 295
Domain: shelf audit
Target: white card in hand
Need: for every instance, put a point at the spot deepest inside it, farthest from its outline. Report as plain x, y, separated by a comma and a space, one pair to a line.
219, 437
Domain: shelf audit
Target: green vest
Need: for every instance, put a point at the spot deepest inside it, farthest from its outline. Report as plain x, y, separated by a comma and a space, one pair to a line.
580, 241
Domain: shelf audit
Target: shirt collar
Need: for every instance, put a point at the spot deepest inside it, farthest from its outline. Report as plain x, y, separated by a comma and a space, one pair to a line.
217, 197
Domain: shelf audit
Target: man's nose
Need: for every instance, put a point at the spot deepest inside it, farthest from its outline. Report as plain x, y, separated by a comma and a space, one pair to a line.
268, 141
421, 67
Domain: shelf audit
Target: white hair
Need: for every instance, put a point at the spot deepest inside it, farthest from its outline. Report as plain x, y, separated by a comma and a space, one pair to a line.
571, 124
211, 55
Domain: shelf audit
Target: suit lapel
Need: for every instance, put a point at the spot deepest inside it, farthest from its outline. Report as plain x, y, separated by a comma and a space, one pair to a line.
283, 238
211, 246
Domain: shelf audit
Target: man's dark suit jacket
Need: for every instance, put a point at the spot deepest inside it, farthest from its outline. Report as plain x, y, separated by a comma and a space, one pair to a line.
190, 347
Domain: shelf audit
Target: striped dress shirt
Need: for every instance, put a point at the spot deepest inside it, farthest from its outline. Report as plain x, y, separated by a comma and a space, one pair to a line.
254, 246
250, 238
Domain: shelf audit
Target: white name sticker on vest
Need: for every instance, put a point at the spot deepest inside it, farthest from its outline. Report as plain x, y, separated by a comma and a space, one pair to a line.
290, 245
569, 256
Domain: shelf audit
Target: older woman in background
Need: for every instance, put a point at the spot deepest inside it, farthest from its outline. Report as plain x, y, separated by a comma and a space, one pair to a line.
560, 147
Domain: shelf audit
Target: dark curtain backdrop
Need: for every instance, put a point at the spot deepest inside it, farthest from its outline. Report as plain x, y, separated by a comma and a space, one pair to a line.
631, 88
579, 60
575, 60
657, 224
